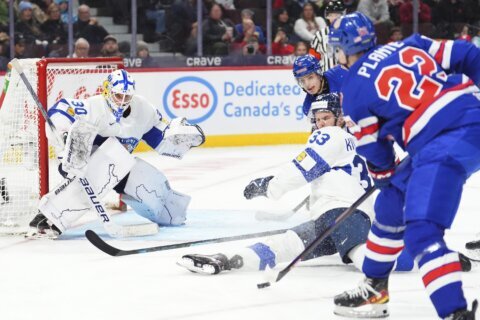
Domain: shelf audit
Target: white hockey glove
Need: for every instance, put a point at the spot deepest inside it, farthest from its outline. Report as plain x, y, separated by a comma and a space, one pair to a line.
78, 148
180, 136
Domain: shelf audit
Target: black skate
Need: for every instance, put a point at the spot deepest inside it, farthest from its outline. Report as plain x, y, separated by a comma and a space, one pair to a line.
368, 300
465, 262
41, 228
473, 245
210, 264
464, 314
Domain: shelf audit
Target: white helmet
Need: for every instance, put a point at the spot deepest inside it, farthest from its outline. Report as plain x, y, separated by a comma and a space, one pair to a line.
118, 90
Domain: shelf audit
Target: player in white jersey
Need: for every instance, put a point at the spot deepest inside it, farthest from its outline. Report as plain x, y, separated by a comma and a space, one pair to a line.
100, 133
337, 175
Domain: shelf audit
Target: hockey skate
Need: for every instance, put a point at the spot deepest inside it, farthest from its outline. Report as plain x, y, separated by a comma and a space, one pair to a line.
41, 228
473, 247
464, 314
368, 300
210, 264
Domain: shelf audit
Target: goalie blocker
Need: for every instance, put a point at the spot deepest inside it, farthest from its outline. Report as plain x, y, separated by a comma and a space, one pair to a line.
111, 166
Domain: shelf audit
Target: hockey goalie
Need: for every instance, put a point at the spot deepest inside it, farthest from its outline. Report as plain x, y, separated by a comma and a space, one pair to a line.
100, 134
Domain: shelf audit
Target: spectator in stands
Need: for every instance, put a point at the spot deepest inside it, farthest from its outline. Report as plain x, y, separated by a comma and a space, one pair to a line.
306, 26
144, 53
280, 45
376, 10
81, 49
394, 11
4, 54
350, 6
282, 20
476, 39
301, 48
87, 27
226, 4
20, 46
465, 34
395, 34
110, 47
124, 48
406, 12
180, 21
155, 13
218, 34
4, 16
248, 14
26, 25
54, 28
63, 6
449, 13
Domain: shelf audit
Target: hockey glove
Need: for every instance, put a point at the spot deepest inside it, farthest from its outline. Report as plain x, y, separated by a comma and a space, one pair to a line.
257, 187
180, 136
381, 177
78, 148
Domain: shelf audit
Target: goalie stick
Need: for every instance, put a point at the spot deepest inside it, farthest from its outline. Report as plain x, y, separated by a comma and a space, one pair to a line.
277, 276
112, 228
270, 216
115, 252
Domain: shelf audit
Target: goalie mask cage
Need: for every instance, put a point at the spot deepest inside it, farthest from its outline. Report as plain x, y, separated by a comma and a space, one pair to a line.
24, 150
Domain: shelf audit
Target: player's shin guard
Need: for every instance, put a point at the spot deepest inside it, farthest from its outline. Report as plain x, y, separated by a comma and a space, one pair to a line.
439, 266
384, 245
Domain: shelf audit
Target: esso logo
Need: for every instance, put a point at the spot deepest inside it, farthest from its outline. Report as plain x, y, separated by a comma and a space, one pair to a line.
190, 97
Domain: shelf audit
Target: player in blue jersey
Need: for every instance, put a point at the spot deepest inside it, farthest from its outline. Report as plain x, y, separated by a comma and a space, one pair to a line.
307, 70
421, 93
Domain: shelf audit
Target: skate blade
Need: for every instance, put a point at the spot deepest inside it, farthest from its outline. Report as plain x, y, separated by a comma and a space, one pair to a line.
365, 311
34, 234
189, 264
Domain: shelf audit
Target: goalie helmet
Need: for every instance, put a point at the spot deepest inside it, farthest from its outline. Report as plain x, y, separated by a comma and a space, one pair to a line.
118, 90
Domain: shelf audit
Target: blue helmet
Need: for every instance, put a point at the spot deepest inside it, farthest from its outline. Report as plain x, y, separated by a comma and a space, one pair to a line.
326, 102
306, 64
352, 33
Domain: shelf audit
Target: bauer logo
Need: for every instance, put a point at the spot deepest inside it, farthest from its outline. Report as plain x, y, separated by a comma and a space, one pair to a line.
190, 97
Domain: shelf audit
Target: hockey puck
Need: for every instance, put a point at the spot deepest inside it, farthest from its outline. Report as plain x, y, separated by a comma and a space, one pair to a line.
263, 285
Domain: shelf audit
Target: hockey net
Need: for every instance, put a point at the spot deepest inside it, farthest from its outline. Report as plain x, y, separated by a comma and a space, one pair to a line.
24, 150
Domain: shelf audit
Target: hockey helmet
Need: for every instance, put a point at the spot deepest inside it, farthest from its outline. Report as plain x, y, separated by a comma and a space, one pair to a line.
352, 33
118, 90
328, 102
335, 6
304, 65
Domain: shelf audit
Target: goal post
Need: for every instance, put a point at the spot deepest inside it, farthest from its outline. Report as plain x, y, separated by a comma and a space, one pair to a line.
25, 156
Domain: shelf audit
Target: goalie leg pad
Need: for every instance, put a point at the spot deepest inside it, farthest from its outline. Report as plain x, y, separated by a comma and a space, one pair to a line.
68, 201
148, 192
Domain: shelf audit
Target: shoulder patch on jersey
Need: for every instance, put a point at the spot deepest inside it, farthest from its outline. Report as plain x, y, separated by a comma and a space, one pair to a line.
70, 111
301, 156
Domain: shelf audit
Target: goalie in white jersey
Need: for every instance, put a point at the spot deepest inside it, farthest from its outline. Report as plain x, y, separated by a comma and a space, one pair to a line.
100, 133
338, 177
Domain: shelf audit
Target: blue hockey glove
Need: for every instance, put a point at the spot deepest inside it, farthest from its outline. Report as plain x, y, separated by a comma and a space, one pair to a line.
381, 177
257, 187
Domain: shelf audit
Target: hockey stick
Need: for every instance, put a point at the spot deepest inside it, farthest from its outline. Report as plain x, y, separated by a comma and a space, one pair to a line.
275, 277
112, 228
108, 249
345, 214
265, 215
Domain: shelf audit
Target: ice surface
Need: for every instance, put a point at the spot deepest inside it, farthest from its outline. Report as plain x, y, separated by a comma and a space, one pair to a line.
70, 279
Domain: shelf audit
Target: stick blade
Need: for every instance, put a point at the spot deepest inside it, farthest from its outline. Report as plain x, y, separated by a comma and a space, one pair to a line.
100, 244
263, 285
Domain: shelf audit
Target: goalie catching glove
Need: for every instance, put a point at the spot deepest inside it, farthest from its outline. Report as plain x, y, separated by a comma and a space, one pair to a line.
180, 136
257, 187
78, 148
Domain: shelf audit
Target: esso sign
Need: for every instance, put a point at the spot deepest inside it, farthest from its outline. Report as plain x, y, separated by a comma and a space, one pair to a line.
190, 97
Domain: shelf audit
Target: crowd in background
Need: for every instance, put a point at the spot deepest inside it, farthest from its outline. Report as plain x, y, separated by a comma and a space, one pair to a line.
229, 27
